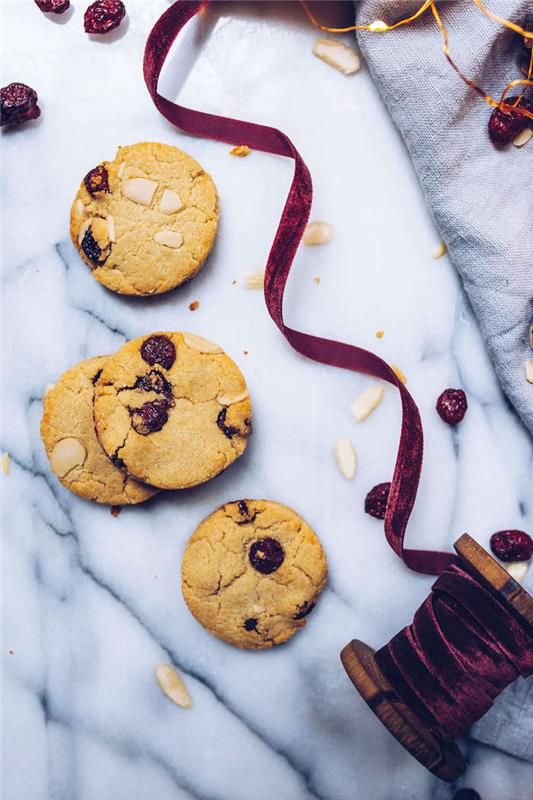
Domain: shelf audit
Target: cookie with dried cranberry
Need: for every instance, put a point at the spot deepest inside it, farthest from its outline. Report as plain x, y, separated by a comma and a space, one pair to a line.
145, 222
75, 454
174, 408
252, 572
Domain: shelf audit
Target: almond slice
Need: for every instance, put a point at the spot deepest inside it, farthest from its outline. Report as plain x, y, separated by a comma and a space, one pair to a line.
439, 251
121, 169
139, 190
529, 370
367, 402
256, 280
67, 454
173, 239
517, 569
523, 137
318, 233
80, 208
83, 230
231, 399
199, 343
111, 228
172, 685
170, 202
346, 458
337, 55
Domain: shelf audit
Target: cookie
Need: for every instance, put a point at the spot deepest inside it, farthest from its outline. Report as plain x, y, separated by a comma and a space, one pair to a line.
174, 408
251, 573
145, 222
75, 454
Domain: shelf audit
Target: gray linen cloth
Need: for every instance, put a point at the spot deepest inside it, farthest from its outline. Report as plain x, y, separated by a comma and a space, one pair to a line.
482, 203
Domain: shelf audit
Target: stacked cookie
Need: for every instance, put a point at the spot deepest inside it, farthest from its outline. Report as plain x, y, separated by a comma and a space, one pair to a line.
167, 411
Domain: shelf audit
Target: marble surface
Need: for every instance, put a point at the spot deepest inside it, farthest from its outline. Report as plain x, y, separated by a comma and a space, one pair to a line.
92, 603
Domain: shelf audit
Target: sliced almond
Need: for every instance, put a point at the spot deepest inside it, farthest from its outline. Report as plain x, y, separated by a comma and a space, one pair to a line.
83, 230
80, 208
241, 151
139, 190
172, 685
255, 280
337, 55
523, 137
170, 202
199, 343
399, 374
4, 462
67, 454
531, 336
173, 239
121, 169
517, 569
231, 399
529, 370
367, 402
318, 233
111, 228
439, 251
346, 458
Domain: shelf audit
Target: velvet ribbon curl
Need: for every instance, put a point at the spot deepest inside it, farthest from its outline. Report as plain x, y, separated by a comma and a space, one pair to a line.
293, 221
460, 652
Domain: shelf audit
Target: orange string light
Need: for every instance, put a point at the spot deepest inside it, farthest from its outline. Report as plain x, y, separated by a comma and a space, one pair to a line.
379, 26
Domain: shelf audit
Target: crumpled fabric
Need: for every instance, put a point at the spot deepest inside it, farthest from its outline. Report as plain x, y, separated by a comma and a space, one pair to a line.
481, 199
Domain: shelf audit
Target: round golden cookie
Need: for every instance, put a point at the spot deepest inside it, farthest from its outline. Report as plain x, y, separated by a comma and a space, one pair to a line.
146, 221
74, 452
174, 408
251, 572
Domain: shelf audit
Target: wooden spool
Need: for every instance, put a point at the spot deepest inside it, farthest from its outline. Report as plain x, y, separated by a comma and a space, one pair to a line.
443, 758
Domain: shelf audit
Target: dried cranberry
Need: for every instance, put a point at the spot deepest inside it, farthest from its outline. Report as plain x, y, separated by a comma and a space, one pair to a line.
512, 545
97, 180
104, 16
153, 381
505, 125
266, 555
376, 500
451, 406
158, 350
92, 249
150, 417
18, 103
227, 430
250, 624
53, 6
466, 794
304, 610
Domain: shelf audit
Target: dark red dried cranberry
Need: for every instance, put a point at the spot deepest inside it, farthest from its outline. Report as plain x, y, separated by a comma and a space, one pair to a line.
250, 624
451, 406
158, 350
266, 555
92, 249
53, 6
227, 430
466, 794
104, 16
153, 381
150, 417
376, 500
304, 610
18, 104
505, 125
512, 545
97, 180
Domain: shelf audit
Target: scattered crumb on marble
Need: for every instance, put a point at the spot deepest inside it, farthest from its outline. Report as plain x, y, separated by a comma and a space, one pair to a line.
172, 685
367, 402
5, 462
380, 334
399, 374
194, 305
439, 251
241, 151
256, 280
317, 279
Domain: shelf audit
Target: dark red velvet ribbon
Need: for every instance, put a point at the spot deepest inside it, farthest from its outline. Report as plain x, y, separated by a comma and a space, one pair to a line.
293, 221
460, 652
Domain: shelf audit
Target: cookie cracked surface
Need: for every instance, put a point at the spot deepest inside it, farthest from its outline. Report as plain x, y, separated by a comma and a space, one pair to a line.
69, 437
157, 408
145, 222
252, 572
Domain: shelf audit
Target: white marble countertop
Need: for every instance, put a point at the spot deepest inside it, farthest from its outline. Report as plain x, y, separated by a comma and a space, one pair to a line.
92, 602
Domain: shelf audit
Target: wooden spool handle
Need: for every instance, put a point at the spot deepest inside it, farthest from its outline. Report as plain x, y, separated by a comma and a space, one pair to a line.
441, 757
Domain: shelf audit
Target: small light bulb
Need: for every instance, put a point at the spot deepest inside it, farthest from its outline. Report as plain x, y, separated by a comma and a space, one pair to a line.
378, 25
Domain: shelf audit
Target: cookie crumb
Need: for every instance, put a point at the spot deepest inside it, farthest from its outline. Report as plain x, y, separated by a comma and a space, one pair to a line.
380, 334
115, 510
245, 352
172, 685
194, 305
241, 151
399, 374
5, 463
233, 283
316, 280
256, 280
439, 251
